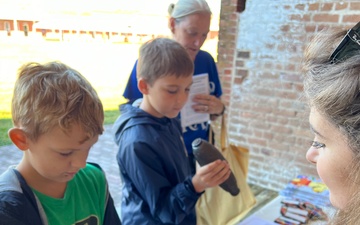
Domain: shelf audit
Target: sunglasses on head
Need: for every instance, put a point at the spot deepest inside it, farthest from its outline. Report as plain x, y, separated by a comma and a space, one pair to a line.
349, 45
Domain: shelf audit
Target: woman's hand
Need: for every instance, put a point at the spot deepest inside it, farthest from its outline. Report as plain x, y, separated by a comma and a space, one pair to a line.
208, 104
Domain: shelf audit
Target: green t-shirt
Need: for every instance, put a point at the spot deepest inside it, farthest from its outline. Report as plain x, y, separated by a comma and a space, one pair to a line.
84, 201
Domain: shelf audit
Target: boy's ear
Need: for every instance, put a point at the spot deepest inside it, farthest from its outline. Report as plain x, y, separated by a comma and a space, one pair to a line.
143, 86
19, 138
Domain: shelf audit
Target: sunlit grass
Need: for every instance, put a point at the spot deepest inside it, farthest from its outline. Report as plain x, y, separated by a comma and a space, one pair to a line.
6, 124
106, 66
111, 116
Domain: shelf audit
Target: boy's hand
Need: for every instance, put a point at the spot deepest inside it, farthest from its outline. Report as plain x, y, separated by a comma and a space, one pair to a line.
211, 175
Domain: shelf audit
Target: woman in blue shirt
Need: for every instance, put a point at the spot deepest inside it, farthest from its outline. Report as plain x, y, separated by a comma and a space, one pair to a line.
189, 23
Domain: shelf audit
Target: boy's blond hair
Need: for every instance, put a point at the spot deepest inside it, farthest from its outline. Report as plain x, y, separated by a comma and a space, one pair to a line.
53, 94
162, 57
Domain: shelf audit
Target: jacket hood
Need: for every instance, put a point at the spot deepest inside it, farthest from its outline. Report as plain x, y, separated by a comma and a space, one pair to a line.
132, 116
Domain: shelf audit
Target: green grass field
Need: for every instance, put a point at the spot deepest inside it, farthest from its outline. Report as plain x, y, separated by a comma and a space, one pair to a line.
106, 65
6, 124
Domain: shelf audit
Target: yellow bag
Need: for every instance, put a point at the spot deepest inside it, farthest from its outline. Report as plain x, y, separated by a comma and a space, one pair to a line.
218, 207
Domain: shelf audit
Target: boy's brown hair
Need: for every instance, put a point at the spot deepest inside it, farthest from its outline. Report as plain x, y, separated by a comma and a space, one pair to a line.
161, 57
53, 94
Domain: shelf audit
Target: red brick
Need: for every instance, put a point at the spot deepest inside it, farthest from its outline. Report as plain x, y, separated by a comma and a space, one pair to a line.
228, 8
262, 108
299, 87
242, 73
268, 75
261, 125
290, 77
268, 135
257, 141
281, 129
285, 112
268, 65
287, 95
239, 80
257, 157
314, 7
240, 63
298, 17
242, 54
281, 47
279, 66
267, 152
227, 72
300, 7
282, 120
234, 16
277, 146
249, 115
225, 76
341, 5
285, 104
289, 140
351, 18
326, 18
263, 92
354, 5
283, 85
226, 87
225, 2
258, 133
326, 6
290, 67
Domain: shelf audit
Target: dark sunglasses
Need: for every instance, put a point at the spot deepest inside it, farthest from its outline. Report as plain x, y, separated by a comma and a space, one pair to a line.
349, 45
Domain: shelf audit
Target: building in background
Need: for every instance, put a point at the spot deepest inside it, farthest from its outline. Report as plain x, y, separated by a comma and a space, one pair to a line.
259, 59
110, 21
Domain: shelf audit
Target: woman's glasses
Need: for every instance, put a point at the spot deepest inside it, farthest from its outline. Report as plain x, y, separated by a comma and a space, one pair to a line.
349, 45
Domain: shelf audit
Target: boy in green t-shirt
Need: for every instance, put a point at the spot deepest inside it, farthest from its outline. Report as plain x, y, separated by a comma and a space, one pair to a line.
57, 117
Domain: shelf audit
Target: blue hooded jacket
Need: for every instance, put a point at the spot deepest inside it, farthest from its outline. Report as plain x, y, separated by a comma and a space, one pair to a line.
155, 171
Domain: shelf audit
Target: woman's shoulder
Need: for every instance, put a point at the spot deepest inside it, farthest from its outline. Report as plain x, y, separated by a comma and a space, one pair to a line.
204, 55
204, 58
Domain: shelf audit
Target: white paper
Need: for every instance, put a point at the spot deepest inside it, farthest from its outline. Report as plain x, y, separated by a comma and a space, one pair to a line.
188, 115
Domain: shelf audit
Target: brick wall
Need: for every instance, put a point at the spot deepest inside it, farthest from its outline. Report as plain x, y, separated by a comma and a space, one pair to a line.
259, 60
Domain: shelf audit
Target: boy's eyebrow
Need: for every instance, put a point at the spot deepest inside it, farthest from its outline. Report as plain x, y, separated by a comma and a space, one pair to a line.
316, 132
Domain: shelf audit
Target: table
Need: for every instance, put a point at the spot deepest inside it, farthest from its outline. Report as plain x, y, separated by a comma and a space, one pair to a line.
269, 212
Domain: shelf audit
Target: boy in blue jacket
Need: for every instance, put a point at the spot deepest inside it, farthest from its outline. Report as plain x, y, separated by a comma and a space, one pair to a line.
57, 117
159, 187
